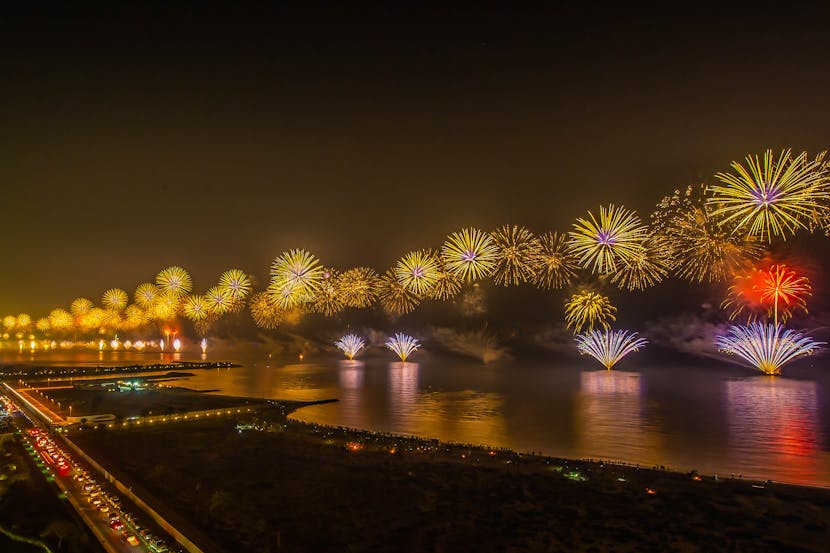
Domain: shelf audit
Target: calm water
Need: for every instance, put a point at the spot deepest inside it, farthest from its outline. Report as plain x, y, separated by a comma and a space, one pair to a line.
713, 417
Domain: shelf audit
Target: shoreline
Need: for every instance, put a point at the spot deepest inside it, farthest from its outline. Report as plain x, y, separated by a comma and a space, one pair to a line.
539, 456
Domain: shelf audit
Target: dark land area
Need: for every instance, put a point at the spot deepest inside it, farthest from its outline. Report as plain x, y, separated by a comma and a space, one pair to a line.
269, 483
54, 371
139, 403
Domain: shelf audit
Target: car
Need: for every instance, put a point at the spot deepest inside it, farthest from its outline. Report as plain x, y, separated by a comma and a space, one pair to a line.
89, 486
132, 540
117, 525
113, 516
95, 501
103, 507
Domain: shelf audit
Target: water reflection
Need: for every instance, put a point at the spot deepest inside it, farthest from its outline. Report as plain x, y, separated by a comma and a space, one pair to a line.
403, 392
772, 423
351, 376
611, 419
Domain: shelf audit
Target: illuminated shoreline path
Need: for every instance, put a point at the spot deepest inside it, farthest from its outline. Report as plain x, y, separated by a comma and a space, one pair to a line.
712, 234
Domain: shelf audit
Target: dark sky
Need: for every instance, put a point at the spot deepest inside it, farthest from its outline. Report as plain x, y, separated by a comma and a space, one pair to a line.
218, 137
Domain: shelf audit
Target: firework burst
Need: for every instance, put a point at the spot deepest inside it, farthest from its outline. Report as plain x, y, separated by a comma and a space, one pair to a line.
447, 284
778, 291
609, 346
295, 277
773, 197
174, 280
327, 299
417, 272
43, 324
646, 268
80, 307
9, 322
237, 283
115, 299
702, 248
469, 254
557, 264
24, 321
195, 308
350, 345
767, 347
403, 345
588, 309
165, 307
358, 287
146, 294
602, 244
60, 320
218, 300
518, 255
394, 298
265, 313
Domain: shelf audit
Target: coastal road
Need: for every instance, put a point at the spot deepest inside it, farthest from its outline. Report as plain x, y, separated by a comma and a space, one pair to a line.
48, 457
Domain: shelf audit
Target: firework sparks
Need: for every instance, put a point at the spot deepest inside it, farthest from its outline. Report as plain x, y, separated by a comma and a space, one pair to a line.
518, 255
60, 319
773, 197
609, 346
265, 312
601, 245
418, 272
218, 300
470, 254
43, 324
146, 294
403, 345
350, 345
394, 297
237, 283
174, 280
80, 307
295, 277
327, 299
447, 284
24, 321
588, 309
557, 267
9, 322
195, 308
644, 269
165, 308
767, 347
703, 248
358, 287
115, 299
777, 291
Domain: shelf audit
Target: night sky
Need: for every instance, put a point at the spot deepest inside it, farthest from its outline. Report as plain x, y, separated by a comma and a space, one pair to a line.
214, 138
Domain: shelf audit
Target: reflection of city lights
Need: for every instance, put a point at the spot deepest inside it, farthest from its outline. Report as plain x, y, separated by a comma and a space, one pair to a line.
177, 345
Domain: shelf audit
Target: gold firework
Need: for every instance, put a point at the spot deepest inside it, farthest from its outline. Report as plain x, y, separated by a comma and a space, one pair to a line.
649, 267
146, 294
418, 272
702, 248
218, 300
469, 254
447, 284
115, 299
773, 197
195, 308
174, 280
587, 309
327, 299
558, 265
394, 297
602, 244
60, 320
80, 307
237, 283
358, 287
295, 277
518, 255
